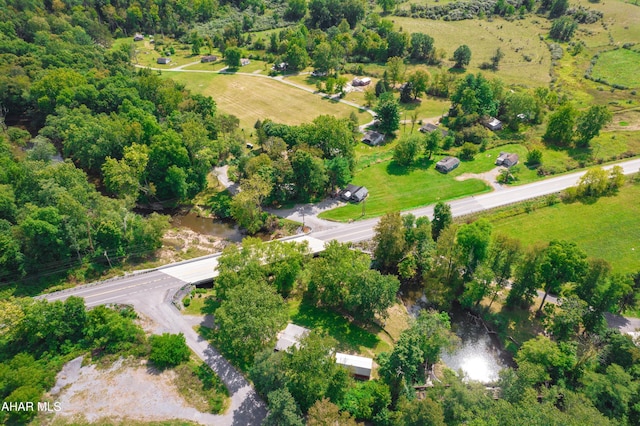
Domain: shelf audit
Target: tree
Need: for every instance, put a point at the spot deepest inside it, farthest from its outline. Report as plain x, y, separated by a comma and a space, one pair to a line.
249, 318
309, 172
590, 122
283, 410
390, 241
441, 219
561, 124
168, 350
407, 149
296, 9
558, 8
370, 293
395, 69
594, 183
424, 412
563, 262
474, 240
419, 82
527, 279
468, 151
562, 29
326, 413
462, 56
296, 57
388, 112
534, 157
504, 254
422, 47
367, 400
232, 56
386, 5
433, 142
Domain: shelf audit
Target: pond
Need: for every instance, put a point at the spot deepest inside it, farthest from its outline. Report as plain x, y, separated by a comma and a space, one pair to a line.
208, 226
479, 355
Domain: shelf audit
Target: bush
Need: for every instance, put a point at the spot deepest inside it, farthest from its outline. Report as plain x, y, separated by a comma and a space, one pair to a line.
186, 301
468, 151
534, 157
168, 350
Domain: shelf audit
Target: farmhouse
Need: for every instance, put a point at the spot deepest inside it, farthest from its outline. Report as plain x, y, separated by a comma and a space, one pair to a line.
493, 124
506, 159
365, 81
208, 58
138, 37
163, 61
282, 66
290, 336
447, 164
428, 128
372, 138
244, 62
359, 366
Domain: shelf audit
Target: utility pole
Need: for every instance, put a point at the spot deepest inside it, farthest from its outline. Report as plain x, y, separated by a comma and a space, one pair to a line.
108, 260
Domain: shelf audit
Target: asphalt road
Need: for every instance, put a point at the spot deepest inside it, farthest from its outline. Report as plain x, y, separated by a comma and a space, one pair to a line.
151, 292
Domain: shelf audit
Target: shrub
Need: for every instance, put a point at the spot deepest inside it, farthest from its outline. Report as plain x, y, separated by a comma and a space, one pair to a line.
534, 157
186, 301
168, 350
468, 151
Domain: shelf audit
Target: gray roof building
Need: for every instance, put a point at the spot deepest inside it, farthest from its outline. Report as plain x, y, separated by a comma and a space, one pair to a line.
208, 58
493, 124
506, 159
163, 61
290, 336
447, 164
373, 138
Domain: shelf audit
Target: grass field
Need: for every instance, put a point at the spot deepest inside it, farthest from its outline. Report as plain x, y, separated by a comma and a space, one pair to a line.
608, 229
395, 188
620, 67
256, 98
516, 39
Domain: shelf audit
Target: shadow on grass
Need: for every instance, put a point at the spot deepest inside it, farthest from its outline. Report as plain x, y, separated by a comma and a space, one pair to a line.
395, 169
348, 335
210, 305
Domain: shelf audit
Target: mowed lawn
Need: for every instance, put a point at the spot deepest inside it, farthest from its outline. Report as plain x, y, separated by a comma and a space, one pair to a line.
395, 188
257, 98
607, 229
619, 66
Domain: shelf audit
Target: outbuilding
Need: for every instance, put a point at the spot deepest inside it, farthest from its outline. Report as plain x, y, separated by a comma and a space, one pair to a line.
138, 37
447, 164
244, 62
163, 61
493, 124
359, 366
208, 58
360, 194
364, 81
373, 138
290, 336
507, 159
428, 128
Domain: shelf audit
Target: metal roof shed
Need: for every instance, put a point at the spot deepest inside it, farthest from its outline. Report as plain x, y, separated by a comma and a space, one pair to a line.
359, 366
290, 336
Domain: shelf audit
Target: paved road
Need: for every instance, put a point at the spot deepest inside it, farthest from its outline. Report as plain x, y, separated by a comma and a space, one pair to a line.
151, 292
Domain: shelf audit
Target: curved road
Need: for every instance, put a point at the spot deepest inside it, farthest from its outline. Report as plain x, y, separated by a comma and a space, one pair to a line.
150, 292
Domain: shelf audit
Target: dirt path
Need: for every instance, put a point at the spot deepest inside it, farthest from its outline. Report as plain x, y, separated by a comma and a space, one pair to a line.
490, 177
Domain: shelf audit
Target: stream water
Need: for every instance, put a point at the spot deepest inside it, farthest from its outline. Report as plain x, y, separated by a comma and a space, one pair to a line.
208, 226
479, 356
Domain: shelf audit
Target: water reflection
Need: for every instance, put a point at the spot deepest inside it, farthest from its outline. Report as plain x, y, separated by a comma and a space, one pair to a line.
478, 356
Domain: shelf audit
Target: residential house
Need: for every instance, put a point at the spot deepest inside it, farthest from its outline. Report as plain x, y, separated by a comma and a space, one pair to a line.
208, 58
359, 366
428, 128
163, 61
447, 164
506, 159
360, 194
373, 138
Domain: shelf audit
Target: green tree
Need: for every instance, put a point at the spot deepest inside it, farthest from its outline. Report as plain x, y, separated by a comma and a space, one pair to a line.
249, 318
396, 69
527, 279
296, 9
433, 142
594, 183
367, 400
561, 124
558, 8
422, 47
296, 57
386, 5
442, 218
390, 241
563, 28
326, 413
504, 254
534, 157
462, 56
419, 81
371, 294
407, 149
232, 56
310, 174
474, 240
283, 410
424, 412
563, 262
388, 111
168, 350
468, 151
590, 122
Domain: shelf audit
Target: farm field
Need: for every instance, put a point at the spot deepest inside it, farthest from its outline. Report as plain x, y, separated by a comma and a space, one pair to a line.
618, 67
255, 98
614, 219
